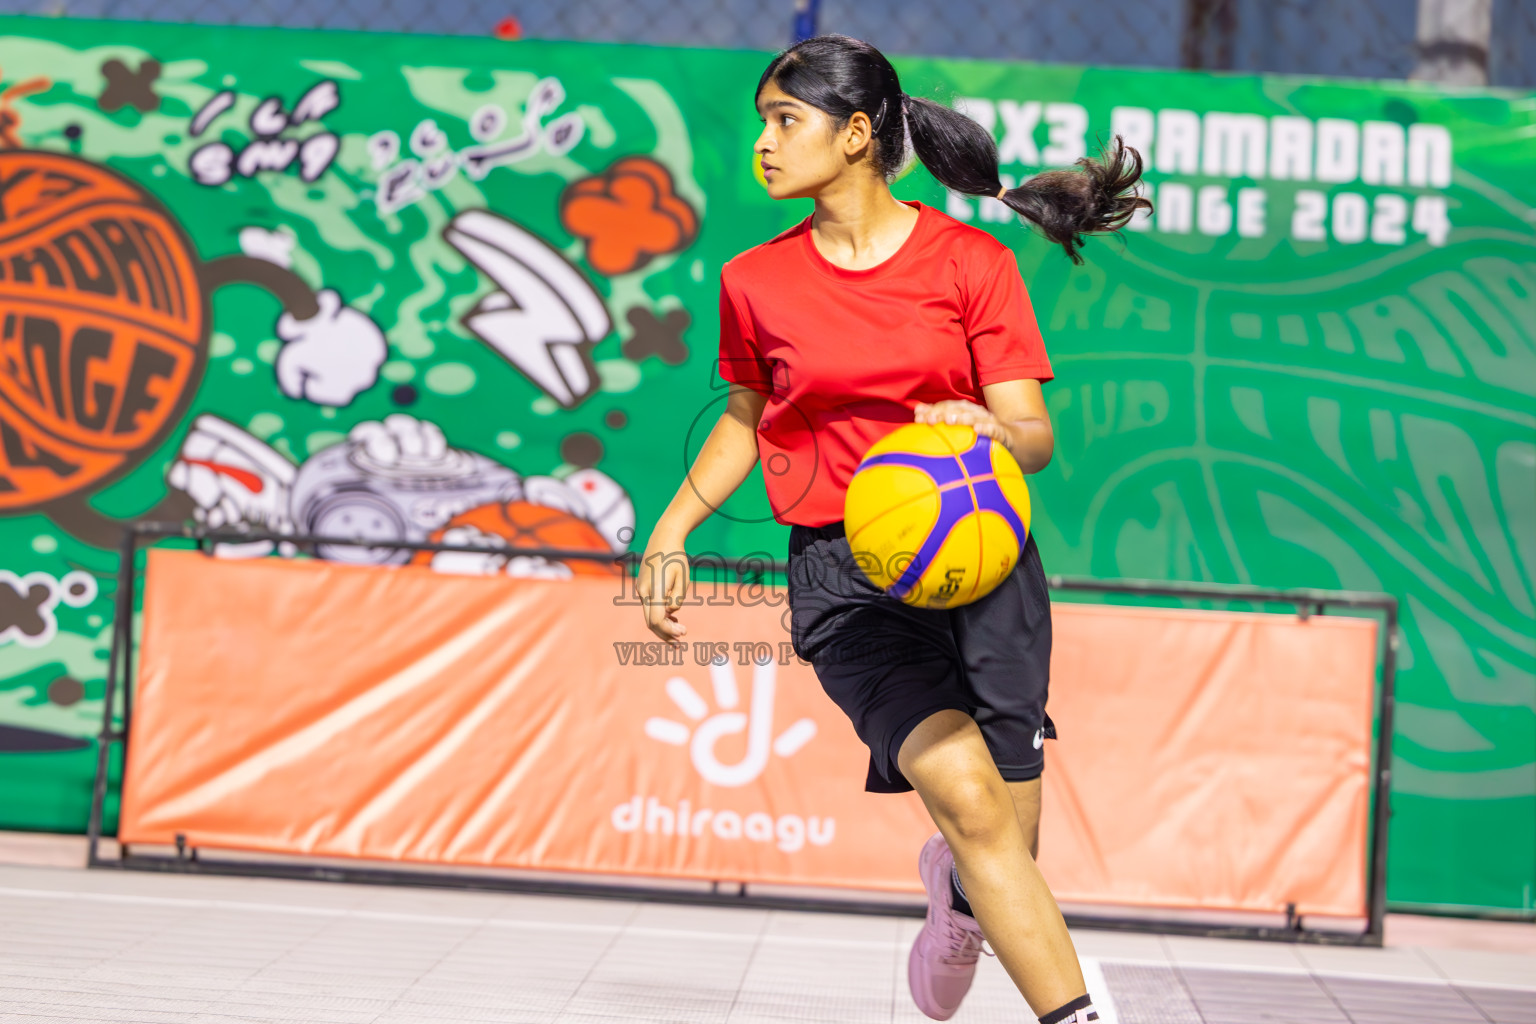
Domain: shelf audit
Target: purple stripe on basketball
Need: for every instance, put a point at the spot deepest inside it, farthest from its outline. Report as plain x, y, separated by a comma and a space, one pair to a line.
991, 497
896, 517
943, 469
954, 505
977, 459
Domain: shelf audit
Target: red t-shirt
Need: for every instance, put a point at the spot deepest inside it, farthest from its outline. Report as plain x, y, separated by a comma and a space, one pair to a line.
846, 355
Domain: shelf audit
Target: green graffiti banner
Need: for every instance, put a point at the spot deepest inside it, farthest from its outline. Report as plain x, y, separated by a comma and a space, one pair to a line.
465, 290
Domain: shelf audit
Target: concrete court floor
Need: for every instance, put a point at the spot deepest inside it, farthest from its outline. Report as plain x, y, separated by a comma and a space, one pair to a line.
88, 946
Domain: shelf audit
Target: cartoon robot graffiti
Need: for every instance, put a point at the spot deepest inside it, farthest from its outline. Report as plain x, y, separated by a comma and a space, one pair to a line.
399, 479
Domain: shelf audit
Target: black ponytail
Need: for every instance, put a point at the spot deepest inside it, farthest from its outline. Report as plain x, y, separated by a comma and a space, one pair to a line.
1065, 205
841, 76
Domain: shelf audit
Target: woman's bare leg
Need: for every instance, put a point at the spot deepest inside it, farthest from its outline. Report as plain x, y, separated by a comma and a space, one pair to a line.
947, 762
1026, 807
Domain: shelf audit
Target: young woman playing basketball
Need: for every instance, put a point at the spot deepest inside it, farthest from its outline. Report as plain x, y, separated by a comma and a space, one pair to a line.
872, 313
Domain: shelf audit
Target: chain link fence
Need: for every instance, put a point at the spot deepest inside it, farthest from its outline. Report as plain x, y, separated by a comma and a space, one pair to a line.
1350, 38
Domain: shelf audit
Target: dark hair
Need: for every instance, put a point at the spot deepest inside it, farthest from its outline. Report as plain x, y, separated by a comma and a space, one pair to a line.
842, 76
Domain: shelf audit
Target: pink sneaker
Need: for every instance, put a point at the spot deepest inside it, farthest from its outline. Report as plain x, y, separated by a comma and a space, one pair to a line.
943, 959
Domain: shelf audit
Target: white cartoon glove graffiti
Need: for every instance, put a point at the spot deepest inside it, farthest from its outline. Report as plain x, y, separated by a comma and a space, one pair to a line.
331, 357
234, 479
393, 479
552, 492
608, 505
401, 446
400, 440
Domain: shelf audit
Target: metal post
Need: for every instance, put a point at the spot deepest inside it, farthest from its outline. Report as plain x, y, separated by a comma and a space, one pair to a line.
1210, 29
1452, 40
129, 583
807, 14
1381, 817
117, 662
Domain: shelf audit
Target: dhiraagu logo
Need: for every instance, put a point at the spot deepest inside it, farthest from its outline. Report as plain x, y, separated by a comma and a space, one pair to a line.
700, 727
702, 732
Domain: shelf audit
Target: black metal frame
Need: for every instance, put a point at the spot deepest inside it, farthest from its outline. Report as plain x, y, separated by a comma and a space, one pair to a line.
188, 861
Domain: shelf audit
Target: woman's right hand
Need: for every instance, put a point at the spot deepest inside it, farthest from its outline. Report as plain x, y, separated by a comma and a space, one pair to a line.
663, 584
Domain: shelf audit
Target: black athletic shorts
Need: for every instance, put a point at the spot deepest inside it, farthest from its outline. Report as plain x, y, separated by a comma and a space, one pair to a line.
889, 665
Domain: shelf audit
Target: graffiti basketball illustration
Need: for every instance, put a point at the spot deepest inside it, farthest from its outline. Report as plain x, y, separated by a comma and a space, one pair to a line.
505, 527
104, 333
104, 337
400, 479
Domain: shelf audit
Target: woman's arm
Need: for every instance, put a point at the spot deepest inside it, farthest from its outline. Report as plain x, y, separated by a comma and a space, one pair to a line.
1015, 416
728, 455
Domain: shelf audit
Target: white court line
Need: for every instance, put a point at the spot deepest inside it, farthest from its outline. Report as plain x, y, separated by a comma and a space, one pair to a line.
709, 936
489, 922
1201, 965
1098, 988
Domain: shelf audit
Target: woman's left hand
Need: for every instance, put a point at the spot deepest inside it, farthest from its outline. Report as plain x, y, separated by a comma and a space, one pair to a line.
961, 412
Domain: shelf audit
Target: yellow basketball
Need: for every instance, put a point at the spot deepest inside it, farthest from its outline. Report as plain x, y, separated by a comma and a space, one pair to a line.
936, 514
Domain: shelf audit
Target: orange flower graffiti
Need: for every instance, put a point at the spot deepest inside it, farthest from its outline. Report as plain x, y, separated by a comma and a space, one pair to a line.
628, 215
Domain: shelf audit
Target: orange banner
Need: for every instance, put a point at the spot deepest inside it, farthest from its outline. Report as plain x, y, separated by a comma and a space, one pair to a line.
1207, 760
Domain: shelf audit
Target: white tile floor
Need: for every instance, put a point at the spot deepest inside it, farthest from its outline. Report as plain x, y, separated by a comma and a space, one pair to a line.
120, 946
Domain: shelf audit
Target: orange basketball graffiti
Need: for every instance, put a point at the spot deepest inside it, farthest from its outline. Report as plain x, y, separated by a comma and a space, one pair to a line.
104, 329
520, 524
628, 215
